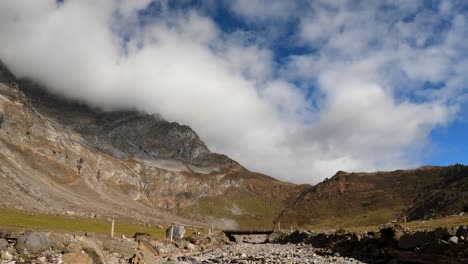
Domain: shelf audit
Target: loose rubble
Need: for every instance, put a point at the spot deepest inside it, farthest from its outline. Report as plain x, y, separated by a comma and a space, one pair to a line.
58, 248
392, 244
266, 253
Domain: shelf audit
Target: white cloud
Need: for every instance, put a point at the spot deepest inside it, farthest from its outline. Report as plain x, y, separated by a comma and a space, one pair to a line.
361, 114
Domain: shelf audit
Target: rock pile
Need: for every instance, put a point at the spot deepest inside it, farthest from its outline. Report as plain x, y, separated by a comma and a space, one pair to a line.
265, 253
441, 245
55, 248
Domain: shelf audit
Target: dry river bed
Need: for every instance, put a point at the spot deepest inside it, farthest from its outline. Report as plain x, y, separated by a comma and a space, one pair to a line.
264, 253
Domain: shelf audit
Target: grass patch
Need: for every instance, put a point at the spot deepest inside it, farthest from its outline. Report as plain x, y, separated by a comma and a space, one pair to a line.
256, 213
22, 220
450, 221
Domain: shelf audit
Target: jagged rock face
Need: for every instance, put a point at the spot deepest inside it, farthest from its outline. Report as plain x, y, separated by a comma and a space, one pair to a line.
127, 133
168, 140
60, 156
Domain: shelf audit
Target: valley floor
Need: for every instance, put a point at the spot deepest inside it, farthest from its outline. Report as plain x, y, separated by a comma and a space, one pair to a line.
266, 253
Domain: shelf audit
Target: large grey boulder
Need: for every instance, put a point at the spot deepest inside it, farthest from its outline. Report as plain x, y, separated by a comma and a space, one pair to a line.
33, 242
177, 231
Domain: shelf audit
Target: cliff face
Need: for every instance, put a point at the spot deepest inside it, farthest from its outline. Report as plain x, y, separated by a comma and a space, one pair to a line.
60, 156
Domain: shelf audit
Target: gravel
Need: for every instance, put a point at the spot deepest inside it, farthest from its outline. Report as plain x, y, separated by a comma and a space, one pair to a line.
266, 253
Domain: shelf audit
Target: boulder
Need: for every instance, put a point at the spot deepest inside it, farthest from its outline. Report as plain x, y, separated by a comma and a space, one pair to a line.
59, 241
436, 247
76, 258
125, 248
453, 240
93, 249
413, 240
3, 244
73, 247
442, 233
177, 231
33, 242
190, 246
146, 253
142, 236
462, 231
390, 233
6, 256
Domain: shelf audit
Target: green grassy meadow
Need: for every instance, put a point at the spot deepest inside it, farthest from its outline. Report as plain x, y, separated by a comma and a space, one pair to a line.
21, 220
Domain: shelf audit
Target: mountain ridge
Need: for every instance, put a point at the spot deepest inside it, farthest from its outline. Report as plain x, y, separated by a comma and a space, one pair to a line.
59, 155
127, 162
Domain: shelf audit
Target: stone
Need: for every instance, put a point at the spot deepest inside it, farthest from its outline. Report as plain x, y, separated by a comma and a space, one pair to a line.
94, 250
462, 231
441, 233
59, 241
73, 247
453, 240
3, 244
391, 232
147, 252
33, 242
42, 260
125, 248
436, 247
413, 240
177, 232
142, 236
190, 246
115, 260
6, 256
76, 258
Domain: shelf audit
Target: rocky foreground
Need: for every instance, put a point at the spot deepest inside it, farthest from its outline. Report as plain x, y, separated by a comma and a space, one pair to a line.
43, 248
392, 244
267, 253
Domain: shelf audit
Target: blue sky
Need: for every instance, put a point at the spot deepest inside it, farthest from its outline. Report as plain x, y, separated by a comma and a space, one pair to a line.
447, 143
294, 89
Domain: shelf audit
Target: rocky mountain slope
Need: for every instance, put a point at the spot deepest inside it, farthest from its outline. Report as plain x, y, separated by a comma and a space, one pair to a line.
60, 156
357, 199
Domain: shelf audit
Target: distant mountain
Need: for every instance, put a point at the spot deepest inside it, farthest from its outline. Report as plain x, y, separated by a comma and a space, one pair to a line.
63, 157
354, 199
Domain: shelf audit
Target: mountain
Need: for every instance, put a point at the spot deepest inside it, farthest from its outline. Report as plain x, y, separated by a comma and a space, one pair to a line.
357, 199
64, 157
59, 155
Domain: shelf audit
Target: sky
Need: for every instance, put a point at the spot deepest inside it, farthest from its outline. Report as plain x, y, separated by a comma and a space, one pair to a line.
294, 89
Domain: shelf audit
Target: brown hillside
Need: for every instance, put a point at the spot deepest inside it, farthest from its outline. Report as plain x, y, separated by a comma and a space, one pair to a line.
354, 199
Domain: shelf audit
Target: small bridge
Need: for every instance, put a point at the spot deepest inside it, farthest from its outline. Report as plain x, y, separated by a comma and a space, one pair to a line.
231, 233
